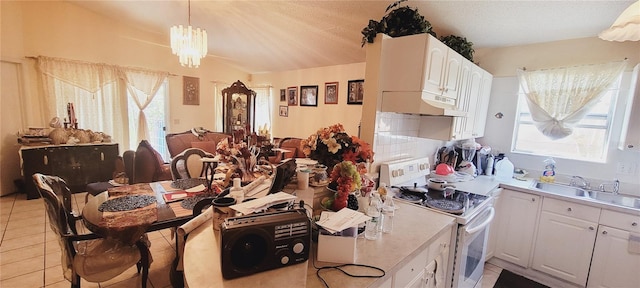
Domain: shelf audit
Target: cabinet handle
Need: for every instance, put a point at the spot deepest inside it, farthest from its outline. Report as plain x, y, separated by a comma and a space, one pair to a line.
101, 156
634, 224
533, 199
569, 209
630, 146
604, 232
45, 160
591, 228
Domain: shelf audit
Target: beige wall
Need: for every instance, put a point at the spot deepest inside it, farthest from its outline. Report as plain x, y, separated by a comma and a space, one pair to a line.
304, 120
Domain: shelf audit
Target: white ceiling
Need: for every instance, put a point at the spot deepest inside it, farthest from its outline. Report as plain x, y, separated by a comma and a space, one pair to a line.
265, 36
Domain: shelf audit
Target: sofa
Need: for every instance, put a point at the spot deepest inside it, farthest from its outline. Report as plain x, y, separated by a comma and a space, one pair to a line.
293, 145
202, 139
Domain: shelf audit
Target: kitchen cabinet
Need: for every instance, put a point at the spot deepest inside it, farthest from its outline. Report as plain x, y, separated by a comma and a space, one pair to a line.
566, 235
630, 137
516, 226
613, 265
421, 63
78, 165
421, 271
482, 104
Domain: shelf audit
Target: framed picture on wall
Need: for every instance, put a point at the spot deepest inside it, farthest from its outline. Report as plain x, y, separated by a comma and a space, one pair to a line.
191, 90
331, 93
292, 96
283, 95
355, 92
309, 95
284, 111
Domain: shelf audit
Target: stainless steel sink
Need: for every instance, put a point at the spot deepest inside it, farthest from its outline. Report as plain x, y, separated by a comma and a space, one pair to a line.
560, 189
616, 199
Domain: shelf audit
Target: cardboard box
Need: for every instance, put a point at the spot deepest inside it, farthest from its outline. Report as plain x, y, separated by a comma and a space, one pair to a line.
337, 249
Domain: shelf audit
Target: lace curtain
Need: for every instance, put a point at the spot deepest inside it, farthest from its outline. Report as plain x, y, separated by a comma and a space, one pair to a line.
559, 98
96, 90
262, 108
142, 86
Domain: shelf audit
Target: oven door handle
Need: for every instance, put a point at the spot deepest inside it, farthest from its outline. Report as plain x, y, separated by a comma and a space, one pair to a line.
492, 213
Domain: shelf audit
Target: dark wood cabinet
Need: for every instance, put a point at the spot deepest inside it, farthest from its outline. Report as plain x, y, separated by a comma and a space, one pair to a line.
78, 165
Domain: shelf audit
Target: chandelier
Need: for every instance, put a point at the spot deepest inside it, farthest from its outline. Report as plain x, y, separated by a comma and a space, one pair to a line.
188, 43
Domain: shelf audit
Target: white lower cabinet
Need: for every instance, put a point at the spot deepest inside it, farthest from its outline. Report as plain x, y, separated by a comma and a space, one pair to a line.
422, 271
566, 234
616, 256
516, 226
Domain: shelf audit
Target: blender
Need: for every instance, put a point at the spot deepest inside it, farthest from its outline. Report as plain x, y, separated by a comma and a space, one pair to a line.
468, 152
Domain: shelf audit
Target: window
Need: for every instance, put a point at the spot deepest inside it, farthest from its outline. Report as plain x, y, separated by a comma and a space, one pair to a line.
155, 114
588, 142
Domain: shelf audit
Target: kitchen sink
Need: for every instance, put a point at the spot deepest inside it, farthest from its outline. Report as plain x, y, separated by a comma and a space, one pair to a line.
560, 189
616, 199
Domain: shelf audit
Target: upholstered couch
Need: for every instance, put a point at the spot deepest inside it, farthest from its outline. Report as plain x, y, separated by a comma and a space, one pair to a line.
206, 140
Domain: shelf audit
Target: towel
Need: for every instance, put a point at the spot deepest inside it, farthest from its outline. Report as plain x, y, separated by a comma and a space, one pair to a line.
634, 243
186, 228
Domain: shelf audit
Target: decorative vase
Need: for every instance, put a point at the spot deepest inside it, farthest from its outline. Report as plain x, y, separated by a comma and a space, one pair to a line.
246, 167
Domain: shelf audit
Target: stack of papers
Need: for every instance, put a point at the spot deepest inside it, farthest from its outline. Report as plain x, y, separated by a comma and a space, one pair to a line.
341, 220
261, 204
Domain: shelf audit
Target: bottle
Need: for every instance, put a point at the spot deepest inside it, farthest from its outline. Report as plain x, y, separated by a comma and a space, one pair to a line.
549, 172
489, 169
236, 192
372, 230
388, 211
504, 169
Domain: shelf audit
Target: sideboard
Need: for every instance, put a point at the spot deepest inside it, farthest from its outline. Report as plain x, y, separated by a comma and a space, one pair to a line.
78, 165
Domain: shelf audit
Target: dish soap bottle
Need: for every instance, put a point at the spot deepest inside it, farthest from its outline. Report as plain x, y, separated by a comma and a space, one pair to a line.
549, 172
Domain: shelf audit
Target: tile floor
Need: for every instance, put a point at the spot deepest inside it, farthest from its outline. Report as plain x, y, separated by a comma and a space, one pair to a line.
30, 255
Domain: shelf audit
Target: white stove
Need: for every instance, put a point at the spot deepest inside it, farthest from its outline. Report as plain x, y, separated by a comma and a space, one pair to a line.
407, 179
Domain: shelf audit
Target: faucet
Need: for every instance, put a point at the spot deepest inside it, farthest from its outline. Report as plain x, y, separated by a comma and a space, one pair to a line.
616, 186
580, 182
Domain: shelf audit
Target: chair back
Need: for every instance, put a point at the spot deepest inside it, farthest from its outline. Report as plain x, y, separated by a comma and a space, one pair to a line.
187, 164
128, 157
293, 145
57, 200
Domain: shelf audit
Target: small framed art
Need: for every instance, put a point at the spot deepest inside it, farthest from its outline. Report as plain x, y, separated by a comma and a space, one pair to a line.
355, 92
284, 111
283, 95
331, 93
292, 96
191, 90
309, 95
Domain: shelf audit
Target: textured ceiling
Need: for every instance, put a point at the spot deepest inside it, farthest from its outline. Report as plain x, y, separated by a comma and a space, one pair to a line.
267, 36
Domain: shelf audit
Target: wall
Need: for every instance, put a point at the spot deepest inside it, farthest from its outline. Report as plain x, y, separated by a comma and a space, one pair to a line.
302, 121
63, 30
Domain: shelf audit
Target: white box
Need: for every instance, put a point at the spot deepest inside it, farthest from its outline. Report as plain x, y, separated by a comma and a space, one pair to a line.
337, 249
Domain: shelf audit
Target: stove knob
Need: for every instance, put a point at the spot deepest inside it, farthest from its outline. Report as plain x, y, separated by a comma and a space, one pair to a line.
401, 172
394, 173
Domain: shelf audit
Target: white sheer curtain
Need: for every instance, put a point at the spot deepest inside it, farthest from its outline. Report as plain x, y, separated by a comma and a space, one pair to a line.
142, 85
93, 88
218, 106
559, 98
262, 108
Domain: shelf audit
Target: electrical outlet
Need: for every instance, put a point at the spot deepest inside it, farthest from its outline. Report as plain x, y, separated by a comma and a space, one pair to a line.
626, 168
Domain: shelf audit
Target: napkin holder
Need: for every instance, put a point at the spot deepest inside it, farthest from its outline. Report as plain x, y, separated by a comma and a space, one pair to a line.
339, 247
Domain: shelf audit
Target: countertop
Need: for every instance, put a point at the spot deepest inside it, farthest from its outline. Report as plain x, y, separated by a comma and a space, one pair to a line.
391, 251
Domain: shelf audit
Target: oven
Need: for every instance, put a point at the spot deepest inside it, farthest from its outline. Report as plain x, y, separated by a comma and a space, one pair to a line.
474, 213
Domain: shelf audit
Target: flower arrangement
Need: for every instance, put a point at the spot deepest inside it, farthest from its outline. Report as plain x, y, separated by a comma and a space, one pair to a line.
332, 145
240, 154
347, 156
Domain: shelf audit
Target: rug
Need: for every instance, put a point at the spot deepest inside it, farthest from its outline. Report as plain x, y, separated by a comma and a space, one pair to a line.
509, 280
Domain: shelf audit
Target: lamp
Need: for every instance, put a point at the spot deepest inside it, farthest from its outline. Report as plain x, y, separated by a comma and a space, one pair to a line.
626, 27
188, 43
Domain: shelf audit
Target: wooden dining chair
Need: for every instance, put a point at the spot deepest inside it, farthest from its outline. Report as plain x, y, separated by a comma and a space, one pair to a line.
187, 164
86, 256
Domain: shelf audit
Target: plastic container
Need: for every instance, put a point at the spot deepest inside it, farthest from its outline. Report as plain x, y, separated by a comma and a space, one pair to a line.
504, 169
388, 211
236, 192
489, 169
549, 172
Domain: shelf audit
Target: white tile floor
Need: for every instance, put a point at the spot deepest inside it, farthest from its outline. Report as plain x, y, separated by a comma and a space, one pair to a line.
30, 255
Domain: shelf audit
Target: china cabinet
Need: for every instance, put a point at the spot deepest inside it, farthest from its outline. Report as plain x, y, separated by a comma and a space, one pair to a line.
238, 108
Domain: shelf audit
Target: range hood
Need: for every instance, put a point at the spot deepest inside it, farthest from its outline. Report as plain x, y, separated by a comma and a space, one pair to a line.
419, 102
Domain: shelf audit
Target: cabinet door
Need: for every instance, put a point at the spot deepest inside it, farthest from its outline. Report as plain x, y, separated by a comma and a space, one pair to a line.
612, 264
34, 161
516, 226
435, 66
564, 246
630, 137
451, 77
474, 89
462, 103
482, 105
